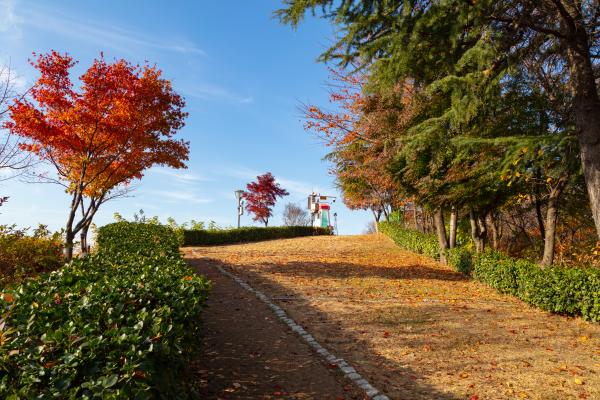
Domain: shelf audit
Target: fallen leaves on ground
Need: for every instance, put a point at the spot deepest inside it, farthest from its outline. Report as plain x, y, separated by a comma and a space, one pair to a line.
416, 327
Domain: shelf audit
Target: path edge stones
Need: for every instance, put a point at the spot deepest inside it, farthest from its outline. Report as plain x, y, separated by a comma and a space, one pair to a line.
348, 371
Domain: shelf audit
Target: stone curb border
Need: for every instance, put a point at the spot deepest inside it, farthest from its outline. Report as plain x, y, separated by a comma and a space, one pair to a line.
346, 369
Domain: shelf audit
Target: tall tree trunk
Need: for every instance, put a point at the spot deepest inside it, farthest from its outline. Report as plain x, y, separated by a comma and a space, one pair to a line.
495, 230
452, 227
587, 115
540, 219
69, 234
440, 230
551, 219
376, 214
377, 217
386, 214
478, 230
83, 240
68, 249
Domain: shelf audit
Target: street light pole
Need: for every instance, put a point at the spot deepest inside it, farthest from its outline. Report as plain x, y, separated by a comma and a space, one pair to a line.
240, 208
335, 224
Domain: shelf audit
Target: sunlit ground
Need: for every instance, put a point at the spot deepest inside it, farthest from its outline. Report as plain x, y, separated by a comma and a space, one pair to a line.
415, 328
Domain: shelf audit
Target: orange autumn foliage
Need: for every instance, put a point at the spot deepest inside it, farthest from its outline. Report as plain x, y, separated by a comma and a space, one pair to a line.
118, 123
362, 132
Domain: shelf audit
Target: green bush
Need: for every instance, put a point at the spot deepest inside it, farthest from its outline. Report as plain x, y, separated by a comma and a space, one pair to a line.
563, 290
137, 238
461, 259
121, 323
248, 234
409, 239
23, 255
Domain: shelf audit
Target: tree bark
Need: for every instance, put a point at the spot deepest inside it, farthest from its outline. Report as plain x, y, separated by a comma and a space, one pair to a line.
551, 219
495, 230
83, 240
452, 226
376, 214
440, 230
68, 249
478, 230
377, 217
587, 115
540, 219
69, 234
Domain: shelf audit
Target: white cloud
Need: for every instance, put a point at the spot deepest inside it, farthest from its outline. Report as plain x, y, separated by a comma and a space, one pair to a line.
10, 22
180, 176
103, 34
179, 196
208, 91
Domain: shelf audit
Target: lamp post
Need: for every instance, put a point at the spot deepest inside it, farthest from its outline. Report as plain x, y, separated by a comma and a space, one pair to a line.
335, 224
240, 208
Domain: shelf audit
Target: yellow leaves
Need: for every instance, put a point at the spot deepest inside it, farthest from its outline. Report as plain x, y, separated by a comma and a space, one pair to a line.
5, 336
578, 381
583, 339
35, 305
549, 179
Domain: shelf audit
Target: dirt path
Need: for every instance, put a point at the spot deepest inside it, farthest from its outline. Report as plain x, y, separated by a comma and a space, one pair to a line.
415, 329
249, 354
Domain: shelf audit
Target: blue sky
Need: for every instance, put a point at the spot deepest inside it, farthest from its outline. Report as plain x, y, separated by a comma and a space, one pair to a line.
243, 76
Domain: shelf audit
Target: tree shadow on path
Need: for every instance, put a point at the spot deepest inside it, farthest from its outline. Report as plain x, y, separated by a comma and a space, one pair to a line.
398, 380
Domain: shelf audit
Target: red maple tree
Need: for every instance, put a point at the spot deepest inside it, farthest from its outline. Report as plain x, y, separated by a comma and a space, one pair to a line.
101, 136
261, 197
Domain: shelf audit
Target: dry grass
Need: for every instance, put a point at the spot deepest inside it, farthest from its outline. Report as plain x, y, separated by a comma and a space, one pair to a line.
416, 329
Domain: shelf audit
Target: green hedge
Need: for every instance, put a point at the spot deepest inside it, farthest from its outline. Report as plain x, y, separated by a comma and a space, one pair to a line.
137, 238
563, 290
119, 324
409, 239
461, 259
248, 234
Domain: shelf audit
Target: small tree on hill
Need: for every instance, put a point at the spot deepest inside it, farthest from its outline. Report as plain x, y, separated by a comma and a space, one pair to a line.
261, 197
102, 135
295, 216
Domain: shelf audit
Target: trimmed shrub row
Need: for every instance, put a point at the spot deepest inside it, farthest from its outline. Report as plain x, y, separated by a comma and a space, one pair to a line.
563, 290
409, 239
247, 234
119, 324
